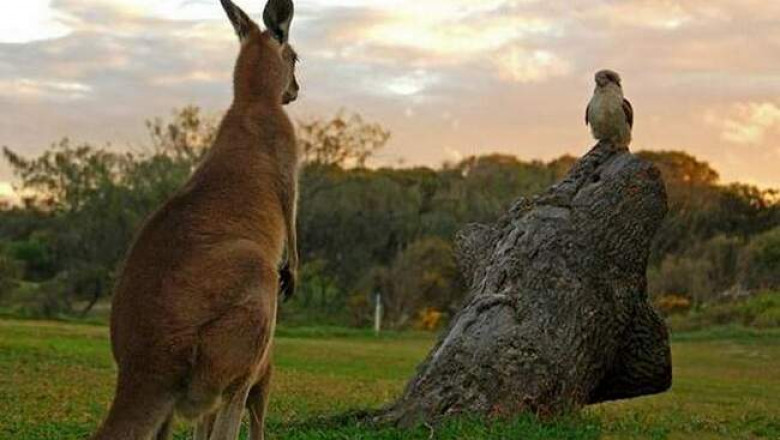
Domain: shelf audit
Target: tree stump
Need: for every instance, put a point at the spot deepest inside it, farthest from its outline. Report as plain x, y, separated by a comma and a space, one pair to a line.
558, 315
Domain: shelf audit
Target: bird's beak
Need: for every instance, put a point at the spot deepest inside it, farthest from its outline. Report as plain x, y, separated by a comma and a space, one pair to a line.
289, 97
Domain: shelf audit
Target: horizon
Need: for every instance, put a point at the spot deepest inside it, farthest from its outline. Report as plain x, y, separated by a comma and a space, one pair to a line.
703, 76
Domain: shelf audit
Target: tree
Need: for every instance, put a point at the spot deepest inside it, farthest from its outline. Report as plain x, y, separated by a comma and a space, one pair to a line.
64, 177
358, 225
700, 209
10, 272
184, 139
359, 220
760, 261
345, 140
701, 273
490, 183
424, 275
35, 254
679, 168
93, 199
79, 187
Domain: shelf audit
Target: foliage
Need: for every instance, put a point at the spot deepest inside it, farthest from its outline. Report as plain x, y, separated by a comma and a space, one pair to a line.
88, 202
429, 319
423, 277
759, 311
344, 141
361, 230
702, 273
760, 261
317, 300
65, 177
672, 304
10, 272
700, 209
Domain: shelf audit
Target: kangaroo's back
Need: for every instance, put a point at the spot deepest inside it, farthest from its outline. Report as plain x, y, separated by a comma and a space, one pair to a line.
194, 308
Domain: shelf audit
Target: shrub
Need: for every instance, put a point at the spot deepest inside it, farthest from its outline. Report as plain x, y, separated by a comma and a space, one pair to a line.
10, 272
760, 261
767, 319
760, 311
429, 319
701, 274
673, 304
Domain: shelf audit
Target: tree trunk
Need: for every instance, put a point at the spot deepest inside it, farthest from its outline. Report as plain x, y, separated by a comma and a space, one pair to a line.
558, 315
98, 288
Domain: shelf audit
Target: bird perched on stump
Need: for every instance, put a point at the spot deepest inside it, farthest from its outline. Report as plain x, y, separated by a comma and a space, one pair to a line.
609, 114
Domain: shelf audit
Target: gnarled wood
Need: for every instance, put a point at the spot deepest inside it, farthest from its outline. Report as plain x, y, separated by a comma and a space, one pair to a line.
558, 315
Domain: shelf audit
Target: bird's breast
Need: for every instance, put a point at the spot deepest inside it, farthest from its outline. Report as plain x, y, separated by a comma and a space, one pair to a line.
606, 109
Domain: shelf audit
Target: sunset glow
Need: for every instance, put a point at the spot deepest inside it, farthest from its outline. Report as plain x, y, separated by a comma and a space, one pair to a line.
449, 78
7, 193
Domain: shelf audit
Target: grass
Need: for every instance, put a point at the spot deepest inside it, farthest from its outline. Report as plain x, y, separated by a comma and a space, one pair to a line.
56, 380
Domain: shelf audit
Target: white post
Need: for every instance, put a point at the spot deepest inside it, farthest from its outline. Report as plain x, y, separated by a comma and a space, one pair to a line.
377, 313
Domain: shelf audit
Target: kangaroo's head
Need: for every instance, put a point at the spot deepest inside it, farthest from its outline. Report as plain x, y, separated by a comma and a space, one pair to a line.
266, 64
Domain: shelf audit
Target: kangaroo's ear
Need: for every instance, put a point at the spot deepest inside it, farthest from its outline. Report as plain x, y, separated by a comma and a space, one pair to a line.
241, 22
278, 15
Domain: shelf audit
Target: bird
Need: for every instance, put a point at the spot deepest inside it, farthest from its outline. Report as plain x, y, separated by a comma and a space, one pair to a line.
609, 114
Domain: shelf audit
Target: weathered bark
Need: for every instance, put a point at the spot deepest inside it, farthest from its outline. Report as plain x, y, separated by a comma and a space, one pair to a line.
558, 315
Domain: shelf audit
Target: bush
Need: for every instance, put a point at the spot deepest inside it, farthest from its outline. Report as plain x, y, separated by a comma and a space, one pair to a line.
760, 261
429, 319
763, 311
10, 273
701, 274
768, 318
423, 276
672, 304
759, 311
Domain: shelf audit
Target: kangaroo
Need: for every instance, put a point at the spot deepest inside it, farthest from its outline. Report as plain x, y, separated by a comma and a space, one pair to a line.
194, 310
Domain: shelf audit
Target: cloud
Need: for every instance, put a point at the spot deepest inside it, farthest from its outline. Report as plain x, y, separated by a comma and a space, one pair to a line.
169, 10
44, 89
447, 36
195, 76
662, 15
410, 84
526, 66
515, 73
443, 36
749, 123
654, 14
31, 20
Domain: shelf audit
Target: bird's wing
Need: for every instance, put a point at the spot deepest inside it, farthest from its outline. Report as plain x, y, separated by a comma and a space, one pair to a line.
629, 111
587, 115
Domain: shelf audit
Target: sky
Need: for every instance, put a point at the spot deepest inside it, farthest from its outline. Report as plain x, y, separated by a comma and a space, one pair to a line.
448, 78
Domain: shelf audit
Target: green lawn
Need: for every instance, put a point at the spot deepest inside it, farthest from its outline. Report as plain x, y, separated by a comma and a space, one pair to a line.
56, 381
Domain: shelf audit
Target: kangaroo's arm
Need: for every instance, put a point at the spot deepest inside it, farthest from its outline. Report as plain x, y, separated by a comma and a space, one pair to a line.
289, 272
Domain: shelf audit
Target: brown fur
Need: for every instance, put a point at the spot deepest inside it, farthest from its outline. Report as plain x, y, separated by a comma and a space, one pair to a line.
195, 307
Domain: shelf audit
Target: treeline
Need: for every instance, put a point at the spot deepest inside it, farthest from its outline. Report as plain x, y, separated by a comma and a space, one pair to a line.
362, 231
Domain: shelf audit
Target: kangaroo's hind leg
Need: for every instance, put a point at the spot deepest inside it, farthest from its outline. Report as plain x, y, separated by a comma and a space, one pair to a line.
204, 427
257, 403
231, 352
165, 431
139, 409
227, 423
